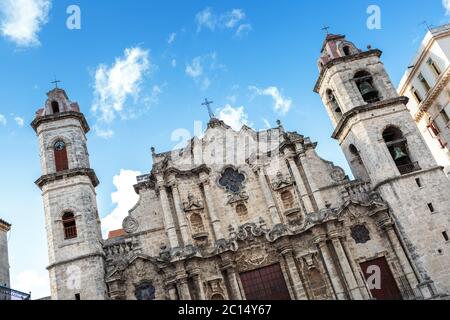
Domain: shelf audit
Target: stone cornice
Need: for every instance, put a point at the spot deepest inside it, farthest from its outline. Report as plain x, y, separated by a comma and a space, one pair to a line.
443, 80
59, 116
4, 226
67, 174
86, 256
379, 184
331, 63
364, 108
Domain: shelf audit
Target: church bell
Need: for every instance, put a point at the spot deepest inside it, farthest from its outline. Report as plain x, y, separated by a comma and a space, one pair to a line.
399, 154
368, 91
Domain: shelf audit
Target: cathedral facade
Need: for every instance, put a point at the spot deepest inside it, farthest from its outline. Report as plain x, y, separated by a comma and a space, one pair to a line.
259, 215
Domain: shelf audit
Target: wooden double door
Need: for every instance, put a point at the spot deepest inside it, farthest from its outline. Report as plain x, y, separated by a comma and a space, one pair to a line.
380, 280
265, 284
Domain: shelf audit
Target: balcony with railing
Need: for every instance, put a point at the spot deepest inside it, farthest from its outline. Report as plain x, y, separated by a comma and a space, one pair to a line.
408, 167
11, 294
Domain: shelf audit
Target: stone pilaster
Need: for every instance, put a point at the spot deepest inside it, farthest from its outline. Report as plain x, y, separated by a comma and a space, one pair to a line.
169, 224
303, 192
291, 266
215, 222
311, 180
182, 281
385, 223
345, 265
270, 202
231, 275
320, 241
182, 221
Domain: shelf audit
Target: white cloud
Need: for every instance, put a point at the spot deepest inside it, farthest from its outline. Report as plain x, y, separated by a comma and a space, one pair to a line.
206, 19
33, 281
195, 68
233, 17
267, 123
200, 67
22, 20
173, 63
281, 104
234, 117
446, 4
232, 98
172, 37
2, 120
19, 121
104, 133
243, 30
124, 198
115, 85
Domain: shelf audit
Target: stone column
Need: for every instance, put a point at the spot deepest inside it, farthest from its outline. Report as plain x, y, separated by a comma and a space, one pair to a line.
216, 226
345, 265
168, 218
173, 292
182, 281
388, 226
291, 265
233, 282
311, 181
199, 286
300, 184
320, 241
182, 221
270, 202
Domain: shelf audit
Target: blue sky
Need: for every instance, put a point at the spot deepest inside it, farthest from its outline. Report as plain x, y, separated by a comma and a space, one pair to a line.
140, 70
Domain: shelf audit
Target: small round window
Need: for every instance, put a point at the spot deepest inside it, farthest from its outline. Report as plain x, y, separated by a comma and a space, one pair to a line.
60, 145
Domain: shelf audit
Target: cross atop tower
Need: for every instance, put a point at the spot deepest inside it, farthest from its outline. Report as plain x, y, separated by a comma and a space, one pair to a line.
326, 29
208, 105
55, 82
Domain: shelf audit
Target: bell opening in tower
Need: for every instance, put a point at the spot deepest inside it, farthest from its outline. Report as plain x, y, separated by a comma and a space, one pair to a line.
398, 148
364, 82
55, 107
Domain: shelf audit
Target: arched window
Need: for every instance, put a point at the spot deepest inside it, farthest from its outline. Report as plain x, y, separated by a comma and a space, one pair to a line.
334, 104
55, 107
364, 82
197, 223
288, 199
241, 210
398, 148
61, 161
346, 50
69, 225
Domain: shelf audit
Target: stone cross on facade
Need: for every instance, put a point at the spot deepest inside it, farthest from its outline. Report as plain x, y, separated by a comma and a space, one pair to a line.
208, 105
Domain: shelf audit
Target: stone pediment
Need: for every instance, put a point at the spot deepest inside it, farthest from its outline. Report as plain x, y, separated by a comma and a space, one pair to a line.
119, 268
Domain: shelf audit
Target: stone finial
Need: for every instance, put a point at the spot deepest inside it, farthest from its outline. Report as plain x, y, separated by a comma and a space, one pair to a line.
152, 149
369, 47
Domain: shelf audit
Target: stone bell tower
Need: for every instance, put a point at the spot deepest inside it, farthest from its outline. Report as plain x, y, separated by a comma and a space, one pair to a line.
384, 147
76, 258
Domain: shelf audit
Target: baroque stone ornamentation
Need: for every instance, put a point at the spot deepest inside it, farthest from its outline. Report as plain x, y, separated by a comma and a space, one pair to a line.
192, 203
360, 233
281, 181
337, 174
130, 224
237, 197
